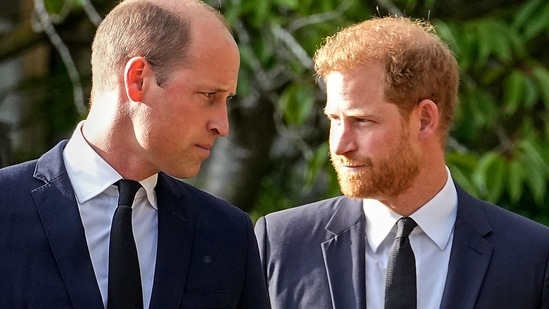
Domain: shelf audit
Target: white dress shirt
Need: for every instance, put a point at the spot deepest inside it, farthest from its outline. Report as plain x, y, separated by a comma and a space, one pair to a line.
431, 241
92, 179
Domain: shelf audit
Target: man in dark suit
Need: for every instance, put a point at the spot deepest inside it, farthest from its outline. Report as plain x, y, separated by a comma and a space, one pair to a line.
391, 94
162, 74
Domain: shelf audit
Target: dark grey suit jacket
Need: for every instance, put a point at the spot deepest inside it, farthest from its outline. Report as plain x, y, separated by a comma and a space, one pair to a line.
207, 254
314, 257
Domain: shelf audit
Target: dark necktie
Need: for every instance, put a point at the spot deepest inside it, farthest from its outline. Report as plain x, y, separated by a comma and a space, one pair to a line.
400, 286
124, 276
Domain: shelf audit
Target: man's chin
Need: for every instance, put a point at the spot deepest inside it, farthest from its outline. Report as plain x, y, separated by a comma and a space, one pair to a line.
354, 188
184, 173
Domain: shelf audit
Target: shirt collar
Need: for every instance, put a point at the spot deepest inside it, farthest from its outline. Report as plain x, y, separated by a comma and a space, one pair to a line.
90, 175
435, 218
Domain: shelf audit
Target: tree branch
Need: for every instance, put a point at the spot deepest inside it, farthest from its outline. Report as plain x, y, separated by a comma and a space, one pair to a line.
45, 24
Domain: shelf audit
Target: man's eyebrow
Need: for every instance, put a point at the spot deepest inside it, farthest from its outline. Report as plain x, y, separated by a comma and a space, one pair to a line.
219, 89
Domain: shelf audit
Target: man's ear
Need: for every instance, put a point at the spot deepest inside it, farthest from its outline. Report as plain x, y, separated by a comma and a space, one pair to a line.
429, 118
134, 78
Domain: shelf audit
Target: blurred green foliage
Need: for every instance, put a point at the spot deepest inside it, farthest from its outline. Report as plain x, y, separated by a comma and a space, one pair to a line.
499, 148
502, 125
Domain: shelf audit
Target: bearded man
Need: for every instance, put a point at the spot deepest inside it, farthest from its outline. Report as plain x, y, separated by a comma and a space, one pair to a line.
404, 235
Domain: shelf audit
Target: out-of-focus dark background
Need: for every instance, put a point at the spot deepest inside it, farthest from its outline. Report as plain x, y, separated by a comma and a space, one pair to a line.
276, 156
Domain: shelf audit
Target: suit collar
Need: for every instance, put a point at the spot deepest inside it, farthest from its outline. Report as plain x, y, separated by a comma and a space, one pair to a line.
471, 214
56, 204
50, 165
347, 213
469, 259
470, 256
344, 255
58, 209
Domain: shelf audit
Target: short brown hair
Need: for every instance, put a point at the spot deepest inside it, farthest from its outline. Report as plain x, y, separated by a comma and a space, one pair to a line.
141, 28
417, 64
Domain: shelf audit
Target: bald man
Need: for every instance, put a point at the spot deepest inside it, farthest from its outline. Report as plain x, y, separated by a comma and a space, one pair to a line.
162, 74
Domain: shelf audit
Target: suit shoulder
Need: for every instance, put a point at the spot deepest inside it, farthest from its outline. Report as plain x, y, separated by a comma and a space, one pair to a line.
14, 174
318, 209
500, 221
506, 219
512, 234
18, 168
309, 218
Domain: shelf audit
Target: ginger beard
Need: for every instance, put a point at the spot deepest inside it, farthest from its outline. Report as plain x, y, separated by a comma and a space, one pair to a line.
383, 178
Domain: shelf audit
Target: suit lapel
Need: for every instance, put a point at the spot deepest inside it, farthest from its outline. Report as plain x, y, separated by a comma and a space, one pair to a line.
344, 255
175, 239
470, 255
58, 210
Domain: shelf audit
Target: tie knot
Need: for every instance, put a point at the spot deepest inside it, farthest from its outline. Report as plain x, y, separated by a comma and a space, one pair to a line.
126, 191
405, 225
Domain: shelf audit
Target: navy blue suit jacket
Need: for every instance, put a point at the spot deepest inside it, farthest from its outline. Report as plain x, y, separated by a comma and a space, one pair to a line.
314, 257
207, 253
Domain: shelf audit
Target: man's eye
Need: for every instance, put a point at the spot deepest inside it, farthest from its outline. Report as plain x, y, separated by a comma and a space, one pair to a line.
334, 119
331, 117
209, 95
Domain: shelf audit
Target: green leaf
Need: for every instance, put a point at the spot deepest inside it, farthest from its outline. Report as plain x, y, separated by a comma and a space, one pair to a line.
500, 41
497, 181
484, 42
232, 13
289, 4
481, 174
535, 169
516, 180
534, 155
461, 178
465, 162
513, 92
258, 11
517, 44
317, 163
466, 39
541, 75
54, 6
468, 103
445, 33
536, 23
490, 175
494, 74
246, 55
461, 166
486, 107
245, 84
297, 103
531, 93
526, 12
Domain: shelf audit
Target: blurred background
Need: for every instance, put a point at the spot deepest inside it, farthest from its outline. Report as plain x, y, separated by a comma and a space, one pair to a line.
276, 155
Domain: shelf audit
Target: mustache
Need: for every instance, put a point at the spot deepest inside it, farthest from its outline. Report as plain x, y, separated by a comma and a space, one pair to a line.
346, 161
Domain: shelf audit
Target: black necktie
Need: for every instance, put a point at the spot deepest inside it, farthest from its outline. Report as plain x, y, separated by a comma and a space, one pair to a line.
124, 276
400, 286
